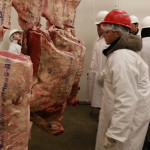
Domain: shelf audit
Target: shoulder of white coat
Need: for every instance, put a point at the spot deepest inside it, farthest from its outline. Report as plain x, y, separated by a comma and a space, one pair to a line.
121, 53
114, 60
130, 57
123, 57
126, 60
145, 52
99, 45
11, 45
95, 43
102, 44
146, 39
117, 55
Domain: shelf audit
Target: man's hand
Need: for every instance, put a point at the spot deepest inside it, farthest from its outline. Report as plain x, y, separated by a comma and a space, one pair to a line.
109, 142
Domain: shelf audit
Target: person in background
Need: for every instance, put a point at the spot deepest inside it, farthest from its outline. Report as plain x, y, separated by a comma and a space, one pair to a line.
145, 54
134, 25
125, 111
15, 37
94, 91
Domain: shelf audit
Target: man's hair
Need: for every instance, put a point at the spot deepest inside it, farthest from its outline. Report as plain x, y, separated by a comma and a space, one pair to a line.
115, 27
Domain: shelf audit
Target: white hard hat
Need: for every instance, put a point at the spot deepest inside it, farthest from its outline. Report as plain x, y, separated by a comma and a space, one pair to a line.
134, 19
100, 16
12, 32
146, 22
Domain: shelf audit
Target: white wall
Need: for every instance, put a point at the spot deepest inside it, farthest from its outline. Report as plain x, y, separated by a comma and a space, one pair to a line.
85, 28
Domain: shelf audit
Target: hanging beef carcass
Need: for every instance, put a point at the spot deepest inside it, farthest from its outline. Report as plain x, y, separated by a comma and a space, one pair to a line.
29, 16
53, 11
73, 99
70, 12
15, 86
29, 12
54, 73
65, 41
54, 70
62, 18
68, 21
5, 16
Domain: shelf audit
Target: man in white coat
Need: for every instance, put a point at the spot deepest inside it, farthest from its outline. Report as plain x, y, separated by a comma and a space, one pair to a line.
125, 111
15, 37
145, 54
134, 25
94, 91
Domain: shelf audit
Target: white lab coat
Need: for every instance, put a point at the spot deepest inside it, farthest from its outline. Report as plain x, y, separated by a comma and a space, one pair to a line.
125, 112
14, 48
145, 52
94, 91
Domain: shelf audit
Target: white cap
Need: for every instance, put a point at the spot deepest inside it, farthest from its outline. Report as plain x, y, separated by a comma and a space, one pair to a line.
134, 19
145, 22
100, 16
13, 31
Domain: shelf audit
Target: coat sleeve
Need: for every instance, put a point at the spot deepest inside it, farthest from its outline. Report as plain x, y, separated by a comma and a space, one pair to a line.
93, 64
12, 48
124, 77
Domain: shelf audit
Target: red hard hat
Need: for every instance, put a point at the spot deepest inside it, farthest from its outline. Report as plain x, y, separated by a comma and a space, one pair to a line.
117, 16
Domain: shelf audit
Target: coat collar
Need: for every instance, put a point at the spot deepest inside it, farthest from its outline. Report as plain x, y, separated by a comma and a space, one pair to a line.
127, 41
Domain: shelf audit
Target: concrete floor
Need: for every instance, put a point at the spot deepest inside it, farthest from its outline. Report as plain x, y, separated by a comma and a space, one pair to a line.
80, 131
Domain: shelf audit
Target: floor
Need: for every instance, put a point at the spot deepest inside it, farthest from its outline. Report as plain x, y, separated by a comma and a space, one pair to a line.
80, 131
